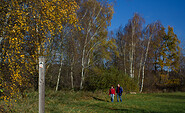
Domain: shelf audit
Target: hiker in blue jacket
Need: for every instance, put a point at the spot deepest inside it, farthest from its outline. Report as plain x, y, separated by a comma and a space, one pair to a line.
119, 91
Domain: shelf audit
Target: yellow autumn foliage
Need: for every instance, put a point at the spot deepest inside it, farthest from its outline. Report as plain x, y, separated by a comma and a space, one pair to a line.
28, 29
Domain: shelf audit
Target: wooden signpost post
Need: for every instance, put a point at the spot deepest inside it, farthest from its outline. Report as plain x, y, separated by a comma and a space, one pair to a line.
41, 84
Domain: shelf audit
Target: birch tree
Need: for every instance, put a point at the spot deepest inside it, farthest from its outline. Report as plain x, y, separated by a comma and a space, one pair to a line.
151, 30
133, 33
96, 17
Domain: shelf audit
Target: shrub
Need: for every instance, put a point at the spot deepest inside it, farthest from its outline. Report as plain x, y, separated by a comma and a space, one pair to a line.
104, 78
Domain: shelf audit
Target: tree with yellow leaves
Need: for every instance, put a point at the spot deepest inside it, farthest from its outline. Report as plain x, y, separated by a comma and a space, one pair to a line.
27, 31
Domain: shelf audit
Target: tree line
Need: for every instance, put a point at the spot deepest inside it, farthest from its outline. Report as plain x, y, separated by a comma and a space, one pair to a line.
80, 52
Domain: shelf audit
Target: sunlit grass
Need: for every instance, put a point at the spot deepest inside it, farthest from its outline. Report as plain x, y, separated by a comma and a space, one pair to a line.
72, 102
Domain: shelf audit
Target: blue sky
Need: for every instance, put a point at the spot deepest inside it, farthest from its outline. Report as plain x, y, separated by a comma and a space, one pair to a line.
168, 12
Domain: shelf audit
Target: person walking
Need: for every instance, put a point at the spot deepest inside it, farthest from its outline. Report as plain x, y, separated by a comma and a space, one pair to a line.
119, 91
112, 93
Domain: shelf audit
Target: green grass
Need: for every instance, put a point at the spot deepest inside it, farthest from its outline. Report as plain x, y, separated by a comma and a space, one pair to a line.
74, 102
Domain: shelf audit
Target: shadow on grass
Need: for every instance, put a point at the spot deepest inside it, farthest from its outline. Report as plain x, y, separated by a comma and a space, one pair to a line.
122, 110
125, 110
131, 110
109, 108
181, 97
104, 106
99, 99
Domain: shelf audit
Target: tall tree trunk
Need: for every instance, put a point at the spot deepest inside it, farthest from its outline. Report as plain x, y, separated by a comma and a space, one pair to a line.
133, 60
72, 81
131, 63
83, 68
143, 77
133, 71
133, 66
132, 54
124, 58
143, 69
58, 80
82, 78
140, 66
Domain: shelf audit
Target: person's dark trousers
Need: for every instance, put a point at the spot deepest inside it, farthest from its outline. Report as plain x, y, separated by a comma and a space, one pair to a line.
119, 97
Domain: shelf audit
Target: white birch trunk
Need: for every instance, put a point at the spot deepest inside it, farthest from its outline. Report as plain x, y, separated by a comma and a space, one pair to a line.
133, 67
143, 69
131, 64
124, 58
143, 77
72, 82
82, 71
131, 55
82, 78
58, 80
88, 39
133, 71
140, 66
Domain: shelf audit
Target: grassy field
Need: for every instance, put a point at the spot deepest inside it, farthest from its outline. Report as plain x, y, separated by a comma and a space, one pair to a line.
74, 102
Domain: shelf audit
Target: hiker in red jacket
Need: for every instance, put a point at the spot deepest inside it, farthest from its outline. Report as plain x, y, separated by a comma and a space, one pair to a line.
112, 93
